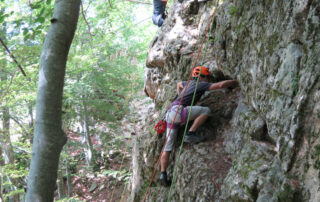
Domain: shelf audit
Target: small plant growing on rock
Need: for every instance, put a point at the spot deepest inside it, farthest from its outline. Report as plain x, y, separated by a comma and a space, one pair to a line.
233, 10
316, 156
295, 83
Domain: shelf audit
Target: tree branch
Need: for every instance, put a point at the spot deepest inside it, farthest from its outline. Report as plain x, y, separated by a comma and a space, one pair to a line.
110, 4
12, 56
140, 2
21, 149
84, 18
20, 124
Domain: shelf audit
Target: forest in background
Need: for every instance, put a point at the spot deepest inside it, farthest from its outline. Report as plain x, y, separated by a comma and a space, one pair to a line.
104, 74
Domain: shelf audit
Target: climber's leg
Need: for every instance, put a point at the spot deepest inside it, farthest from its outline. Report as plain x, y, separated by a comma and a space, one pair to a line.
199, 114
166, 155
165, 160
168, 147
198, 122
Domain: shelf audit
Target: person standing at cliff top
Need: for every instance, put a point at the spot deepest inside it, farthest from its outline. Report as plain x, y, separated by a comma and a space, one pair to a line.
198, 113
159, 8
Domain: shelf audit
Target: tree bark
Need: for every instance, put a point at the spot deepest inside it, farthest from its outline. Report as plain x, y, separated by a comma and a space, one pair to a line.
49, 137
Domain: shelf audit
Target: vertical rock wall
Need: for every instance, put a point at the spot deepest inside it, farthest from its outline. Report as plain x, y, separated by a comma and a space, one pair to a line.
264, 140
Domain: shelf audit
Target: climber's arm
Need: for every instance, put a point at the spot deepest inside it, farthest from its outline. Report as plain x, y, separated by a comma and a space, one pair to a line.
222, 84
179, 87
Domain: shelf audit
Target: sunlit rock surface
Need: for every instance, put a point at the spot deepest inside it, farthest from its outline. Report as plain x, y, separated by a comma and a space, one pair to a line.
264, 137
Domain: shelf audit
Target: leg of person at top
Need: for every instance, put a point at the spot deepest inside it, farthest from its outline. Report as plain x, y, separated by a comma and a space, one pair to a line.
158, 12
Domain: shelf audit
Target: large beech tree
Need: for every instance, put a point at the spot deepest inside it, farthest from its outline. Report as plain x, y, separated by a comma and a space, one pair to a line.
48, 135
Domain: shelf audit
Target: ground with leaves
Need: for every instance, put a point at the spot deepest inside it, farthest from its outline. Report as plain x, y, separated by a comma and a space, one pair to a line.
108, 183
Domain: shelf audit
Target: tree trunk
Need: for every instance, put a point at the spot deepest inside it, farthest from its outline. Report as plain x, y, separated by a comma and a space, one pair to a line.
5, 132
1, 174
5, 137
30, 112
69, 185
7, 148
48, 135
2, 65
60, 185
90, 158
31, 122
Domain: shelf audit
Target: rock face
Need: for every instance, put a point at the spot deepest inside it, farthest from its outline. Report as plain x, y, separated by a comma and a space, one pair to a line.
264, 140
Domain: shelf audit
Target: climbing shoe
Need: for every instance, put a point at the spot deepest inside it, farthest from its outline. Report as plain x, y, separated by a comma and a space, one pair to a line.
163, 180
192, 137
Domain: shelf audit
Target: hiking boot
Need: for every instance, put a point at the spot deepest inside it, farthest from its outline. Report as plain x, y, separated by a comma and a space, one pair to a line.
163, 180
192, 137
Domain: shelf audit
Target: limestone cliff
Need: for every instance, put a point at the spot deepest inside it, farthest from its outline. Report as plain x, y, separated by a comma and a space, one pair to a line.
264, 140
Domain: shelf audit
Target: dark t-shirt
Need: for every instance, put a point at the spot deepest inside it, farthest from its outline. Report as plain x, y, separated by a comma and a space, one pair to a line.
187, 98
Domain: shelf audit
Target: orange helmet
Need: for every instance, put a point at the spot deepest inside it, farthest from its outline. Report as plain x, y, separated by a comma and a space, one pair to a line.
202, 70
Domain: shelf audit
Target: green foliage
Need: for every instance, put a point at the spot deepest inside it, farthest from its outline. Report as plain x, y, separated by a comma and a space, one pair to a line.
15, 171
12, 193
122, 175
70, 199
295, 83
105, 71
233, 10
316, 156
146, 185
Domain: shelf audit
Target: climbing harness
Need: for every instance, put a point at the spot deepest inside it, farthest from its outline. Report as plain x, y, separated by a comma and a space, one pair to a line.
179, 105
183, 114
162, 124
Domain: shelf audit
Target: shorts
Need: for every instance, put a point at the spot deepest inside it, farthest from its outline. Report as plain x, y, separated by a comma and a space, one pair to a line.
195, 112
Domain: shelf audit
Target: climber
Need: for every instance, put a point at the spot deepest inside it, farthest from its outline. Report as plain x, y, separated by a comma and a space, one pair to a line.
198, 113
159, 8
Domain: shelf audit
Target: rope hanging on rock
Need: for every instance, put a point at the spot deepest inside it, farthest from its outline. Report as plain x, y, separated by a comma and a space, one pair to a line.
189, 112
189, 78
